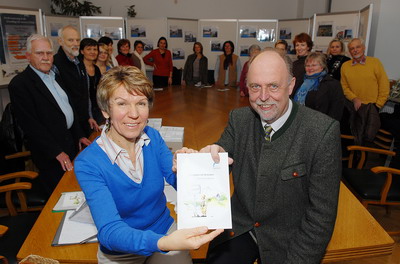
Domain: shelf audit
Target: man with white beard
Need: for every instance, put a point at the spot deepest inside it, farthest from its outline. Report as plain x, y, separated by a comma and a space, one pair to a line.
42, 108
73, 73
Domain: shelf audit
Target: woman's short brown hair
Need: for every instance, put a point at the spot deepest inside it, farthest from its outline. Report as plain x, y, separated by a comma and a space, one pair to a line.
318, 57
303, 37
123, 42
130, 77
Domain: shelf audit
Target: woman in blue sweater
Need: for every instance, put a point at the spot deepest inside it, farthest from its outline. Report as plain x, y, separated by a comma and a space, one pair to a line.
122, 175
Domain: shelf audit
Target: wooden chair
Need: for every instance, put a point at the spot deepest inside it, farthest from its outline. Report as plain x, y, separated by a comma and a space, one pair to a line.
33, 199
3, 230
384, 139
377, 185
16, 224
20, 200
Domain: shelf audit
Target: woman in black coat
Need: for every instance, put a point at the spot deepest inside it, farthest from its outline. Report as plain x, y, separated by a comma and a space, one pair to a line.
336, 58
319, 90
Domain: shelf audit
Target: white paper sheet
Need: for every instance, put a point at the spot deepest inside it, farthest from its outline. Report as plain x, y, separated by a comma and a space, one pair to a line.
203, 191
73, 232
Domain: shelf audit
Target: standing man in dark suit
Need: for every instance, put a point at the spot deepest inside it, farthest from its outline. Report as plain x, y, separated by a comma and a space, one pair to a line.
74, 75
286, 173
43, 110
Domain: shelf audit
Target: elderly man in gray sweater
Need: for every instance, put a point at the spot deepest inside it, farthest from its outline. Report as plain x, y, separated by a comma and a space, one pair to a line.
286, 172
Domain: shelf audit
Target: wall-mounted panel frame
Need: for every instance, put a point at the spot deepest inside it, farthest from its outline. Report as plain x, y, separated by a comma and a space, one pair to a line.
148, 31
182, 34
213, 33
364, 27
289, 28
97, 26
16, 25
343, 25
262, 32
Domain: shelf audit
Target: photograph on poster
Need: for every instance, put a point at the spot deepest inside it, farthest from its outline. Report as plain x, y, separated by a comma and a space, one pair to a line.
285, 33
114, 33
178, 54
175, 32
210, 32
348, 34
266, 35
244, 51
54, 27
92, 31
138, 31
324, 29
15, 29
340, 32
248, 32
190, 36
216, 46
148, 44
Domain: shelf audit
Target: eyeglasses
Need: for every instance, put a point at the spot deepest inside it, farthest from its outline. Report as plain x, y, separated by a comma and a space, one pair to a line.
312, 65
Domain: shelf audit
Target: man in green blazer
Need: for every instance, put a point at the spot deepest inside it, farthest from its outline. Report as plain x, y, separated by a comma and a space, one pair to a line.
286, 173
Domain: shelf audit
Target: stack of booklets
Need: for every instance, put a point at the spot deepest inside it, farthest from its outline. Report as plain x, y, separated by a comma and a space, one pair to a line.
77, 226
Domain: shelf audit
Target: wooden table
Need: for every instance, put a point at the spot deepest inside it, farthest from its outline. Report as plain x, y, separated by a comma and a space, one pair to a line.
204, 113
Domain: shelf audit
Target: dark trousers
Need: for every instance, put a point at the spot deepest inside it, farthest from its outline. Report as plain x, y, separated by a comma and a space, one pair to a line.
160, 81
241, 250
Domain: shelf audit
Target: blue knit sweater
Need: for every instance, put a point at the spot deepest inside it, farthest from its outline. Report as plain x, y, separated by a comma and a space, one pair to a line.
130, 217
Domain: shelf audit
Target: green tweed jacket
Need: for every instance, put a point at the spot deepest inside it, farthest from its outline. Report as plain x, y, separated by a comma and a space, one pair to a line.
286, 189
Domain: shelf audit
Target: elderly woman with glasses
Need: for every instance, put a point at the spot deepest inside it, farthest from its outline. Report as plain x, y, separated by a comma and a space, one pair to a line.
319, 90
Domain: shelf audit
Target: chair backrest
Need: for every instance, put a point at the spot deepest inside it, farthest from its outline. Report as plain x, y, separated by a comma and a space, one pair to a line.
361, 159
18, 187
392, 182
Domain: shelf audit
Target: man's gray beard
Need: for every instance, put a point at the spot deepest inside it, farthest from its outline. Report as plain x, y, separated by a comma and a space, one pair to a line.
70, 51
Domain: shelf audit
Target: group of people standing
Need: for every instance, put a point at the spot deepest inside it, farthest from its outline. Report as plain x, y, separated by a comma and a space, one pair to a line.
337, 85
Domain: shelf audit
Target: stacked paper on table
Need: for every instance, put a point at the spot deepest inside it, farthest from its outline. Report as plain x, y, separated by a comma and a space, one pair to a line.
71, 232
203, 191
173, 137
155, 123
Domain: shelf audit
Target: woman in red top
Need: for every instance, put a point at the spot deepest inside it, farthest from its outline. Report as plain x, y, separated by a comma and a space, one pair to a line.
124, 57
161, 60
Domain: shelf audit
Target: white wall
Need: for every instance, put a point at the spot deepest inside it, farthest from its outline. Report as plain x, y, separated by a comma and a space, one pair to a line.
34, 4
211, 9
310, 7
385, 35
388, 37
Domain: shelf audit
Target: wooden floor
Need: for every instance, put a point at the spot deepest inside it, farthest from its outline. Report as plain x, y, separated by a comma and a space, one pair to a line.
193, 108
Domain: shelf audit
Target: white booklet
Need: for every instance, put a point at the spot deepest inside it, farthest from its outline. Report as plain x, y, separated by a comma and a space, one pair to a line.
203, 191
69, 201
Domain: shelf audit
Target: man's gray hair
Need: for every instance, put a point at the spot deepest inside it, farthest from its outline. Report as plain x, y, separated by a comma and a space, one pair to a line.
36, 37
61, 30
355, 39
286, 59
254, 47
